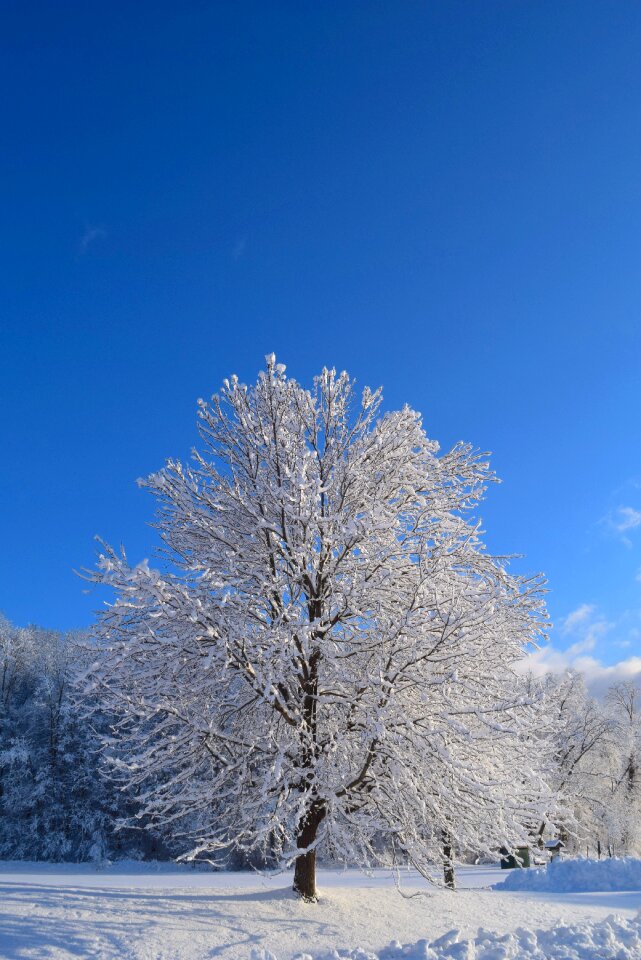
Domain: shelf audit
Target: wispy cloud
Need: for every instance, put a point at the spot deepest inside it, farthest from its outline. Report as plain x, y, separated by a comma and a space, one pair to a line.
239, 248
589, 627
627, 518
577, 618
585, 624
90, 236
598, 675
621, 521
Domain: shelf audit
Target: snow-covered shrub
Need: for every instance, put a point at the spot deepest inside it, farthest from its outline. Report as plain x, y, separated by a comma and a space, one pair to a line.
577, 876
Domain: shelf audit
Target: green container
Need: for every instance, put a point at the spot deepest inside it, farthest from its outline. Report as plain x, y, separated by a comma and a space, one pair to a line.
520, 858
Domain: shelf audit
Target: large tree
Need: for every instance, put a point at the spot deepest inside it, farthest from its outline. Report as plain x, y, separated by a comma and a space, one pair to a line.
327, 656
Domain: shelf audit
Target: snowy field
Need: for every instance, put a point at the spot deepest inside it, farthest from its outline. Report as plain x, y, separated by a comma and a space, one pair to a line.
168, 913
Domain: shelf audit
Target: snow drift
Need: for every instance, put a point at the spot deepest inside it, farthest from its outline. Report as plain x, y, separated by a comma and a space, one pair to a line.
611, 939
577, 876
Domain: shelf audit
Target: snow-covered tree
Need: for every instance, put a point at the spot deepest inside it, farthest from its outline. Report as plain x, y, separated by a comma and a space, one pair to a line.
55, 804
580, 737
624, 703
327, 656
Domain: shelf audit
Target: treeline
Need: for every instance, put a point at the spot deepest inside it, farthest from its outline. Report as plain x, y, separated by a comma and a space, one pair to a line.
61, 797
595, 766
58, 797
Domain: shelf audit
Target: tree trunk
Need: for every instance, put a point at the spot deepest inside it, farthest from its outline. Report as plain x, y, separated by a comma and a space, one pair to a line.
305, 865
305, 876
448, 862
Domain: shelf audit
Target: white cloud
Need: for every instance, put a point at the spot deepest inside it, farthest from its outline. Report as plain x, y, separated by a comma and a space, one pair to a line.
239, 248
577, 617
589, 627
626, 518
598, 675
583, 646
585, 623
90, 235
622, 521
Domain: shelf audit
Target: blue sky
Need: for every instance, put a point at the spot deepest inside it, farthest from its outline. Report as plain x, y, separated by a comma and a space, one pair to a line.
443, 198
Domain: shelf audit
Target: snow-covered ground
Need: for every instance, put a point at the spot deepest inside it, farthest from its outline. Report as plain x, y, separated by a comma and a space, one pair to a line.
141, 912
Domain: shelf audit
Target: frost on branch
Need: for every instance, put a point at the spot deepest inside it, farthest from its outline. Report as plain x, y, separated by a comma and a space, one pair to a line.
328, 659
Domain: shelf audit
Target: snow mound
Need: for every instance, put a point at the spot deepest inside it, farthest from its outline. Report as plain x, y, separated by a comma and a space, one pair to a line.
611, 939
577, 876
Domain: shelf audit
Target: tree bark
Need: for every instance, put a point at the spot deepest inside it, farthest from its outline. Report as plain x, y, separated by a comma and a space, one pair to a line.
448, 862
305, 865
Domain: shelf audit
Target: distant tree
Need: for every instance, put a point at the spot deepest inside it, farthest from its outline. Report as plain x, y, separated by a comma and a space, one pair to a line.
580, 736
55, 803
624, 703
17, 680
16, 658
328, 658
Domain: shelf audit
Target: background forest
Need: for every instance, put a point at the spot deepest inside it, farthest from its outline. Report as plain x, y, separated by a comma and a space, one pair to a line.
61, 797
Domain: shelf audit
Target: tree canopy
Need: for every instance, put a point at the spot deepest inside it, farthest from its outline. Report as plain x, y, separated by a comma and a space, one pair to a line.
327, 656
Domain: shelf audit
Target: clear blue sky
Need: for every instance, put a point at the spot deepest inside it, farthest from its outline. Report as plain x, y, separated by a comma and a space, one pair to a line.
440, 197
